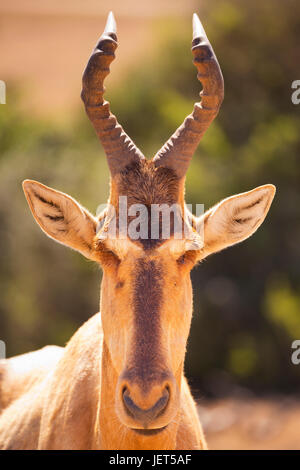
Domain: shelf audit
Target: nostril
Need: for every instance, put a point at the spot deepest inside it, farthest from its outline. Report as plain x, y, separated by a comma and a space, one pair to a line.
149, 414
162, 403
130, 406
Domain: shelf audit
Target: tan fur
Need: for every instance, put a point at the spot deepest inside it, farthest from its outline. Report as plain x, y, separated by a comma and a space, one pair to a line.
66, 409
72, 398
21, 373
119, 383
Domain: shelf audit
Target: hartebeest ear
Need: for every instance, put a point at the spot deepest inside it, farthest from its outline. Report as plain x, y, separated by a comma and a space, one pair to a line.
61, 217
236, 218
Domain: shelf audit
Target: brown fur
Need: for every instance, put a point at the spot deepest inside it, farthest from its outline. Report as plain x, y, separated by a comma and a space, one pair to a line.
72, 398
143, 183
147, 299
67, 409
119, 383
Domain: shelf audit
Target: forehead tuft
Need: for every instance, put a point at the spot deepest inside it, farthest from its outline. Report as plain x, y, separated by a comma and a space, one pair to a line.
143, 183
156, 189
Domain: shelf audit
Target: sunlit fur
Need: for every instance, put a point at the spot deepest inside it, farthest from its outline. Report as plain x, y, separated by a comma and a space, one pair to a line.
119, 383
132, 355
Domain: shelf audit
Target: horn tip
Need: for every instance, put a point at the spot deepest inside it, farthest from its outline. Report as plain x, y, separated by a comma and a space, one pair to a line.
111, 25
198, 30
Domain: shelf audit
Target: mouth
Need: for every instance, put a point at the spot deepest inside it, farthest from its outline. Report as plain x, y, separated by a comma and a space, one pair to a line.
149, 432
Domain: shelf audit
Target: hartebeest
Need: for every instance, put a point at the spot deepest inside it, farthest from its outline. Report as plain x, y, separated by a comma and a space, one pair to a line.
119, 383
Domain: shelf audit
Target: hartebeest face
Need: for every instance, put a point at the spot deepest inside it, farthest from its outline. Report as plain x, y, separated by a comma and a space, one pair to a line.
146, 305
146, 294
146, 300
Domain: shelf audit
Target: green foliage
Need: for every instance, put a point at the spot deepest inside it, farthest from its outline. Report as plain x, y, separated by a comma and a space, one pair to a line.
244, 322
243, 357
282, 306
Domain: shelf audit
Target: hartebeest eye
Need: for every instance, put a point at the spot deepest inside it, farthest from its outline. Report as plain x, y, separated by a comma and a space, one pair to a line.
109, 259
106, 257
187, 259
181, 260
119, 284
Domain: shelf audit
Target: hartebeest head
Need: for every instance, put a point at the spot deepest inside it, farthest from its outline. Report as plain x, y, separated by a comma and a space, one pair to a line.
146, 297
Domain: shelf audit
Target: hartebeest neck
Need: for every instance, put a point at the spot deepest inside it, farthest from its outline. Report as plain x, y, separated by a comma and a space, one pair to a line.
114, 435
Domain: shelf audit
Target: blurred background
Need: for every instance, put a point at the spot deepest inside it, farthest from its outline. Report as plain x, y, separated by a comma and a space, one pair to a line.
247, 298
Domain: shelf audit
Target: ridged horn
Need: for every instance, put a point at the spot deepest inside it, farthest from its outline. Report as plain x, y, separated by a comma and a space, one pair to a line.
119, 148
179, 149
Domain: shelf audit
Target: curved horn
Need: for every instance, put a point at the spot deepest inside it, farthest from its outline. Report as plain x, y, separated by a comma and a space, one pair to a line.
179, 149
119, 148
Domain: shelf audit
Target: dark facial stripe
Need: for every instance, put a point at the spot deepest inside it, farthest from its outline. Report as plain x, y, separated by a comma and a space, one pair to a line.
146, 363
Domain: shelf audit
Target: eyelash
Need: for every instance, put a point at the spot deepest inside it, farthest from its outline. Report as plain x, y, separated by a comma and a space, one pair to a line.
109, 258
187, 258
181, 260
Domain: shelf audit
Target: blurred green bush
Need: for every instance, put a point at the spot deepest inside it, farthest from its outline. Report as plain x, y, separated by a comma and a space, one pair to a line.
247, 298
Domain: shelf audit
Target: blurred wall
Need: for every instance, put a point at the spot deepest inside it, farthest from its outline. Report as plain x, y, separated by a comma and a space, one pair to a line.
44, 45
